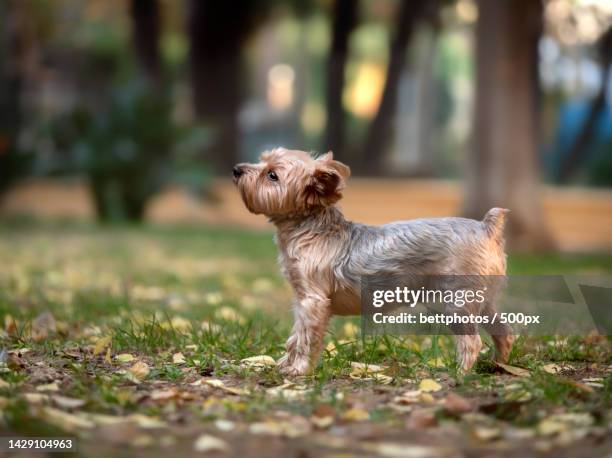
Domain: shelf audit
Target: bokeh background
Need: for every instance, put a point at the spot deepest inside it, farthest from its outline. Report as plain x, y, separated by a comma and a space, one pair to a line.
135, 111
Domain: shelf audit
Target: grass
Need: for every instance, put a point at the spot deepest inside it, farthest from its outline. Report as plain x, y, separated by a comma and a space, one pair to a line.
216, 297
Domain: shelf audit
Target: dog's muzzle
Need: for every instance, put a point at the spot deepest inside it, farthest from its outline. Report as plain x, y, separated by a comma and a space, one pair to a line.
237, 172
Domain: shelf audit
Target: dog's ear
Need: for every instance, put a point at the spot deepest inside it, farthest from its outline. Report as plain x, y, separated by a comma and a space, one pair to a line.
342, 169
327, 181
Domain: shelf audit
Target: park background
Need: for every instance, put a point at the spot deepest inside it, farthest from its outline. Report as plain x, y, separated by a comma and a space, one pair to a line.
132, 111
141, 305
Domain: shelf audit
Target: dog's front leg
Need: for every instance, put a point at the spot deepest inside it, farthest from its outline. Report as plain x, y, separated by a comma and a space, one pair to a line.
304, 345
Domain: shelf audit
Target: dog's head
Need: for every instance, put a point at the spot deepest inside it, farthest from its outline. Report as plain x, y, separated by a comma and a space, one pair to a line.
290, 182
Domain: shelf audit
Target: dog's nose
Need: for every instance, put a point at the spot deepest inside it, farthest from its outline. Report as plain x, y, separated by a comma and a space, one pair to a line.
237, 171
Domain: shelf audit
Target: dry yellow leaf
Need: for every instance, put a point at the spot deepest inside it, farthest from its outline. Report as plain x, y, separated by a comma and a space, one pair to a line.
429, 385
48, 387
552, 368
229, 314
125, 358
486, 434
35, 398
178, 358
180, 324
101, 345
365, 369
350, 330
67, 403
258, 362
164, 395
518, 371
356, 414
207, 443
216, 383
140, 370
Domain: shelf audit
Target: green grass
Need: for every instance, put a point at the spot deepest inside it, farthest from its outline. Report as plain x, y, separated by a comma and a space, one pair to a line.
159, 291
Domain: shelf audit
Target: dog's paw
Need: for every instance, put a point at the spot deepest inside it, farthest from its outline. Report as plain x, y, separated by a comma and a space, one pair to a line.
293, 367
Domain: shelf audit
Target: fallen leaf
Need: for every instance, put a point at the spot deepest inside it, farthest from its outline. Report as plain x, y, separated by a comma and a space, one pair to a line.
10, 324
216, 383
518, 371
322, 422
516, 434
356, 414
125, 358
178, 358
107, 357
421, 419
43, 326
63, 420
18, 351
552, 368
595, 382
164, 395
289, 391
48, 387
350, 330
258, 362
210, 327
180, 324
101, 345
457, 404
429, 385
436, 362
485, 433
229, 314
224, 425
35, 398
587, 388
365, 369
140, 370
403, 450
291, 429
207, 443
67, 403
146, 422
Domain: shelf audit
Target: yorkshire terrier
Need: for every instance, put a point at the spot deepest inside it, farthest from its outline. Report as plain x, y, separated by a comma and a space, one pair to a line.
324, 256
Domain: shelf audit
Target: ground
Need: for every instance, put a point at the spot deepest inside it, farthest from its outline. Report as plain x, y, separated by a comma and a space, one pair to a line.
142, 341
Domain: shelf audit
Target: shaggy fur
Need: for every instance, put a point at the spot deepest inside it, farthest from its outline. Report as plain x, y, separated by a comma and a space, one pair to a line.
324, 256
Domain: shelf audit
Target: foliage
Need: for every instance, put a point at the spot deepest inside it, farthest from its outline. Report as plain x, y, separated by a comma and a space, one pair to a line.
129, 148
167, 337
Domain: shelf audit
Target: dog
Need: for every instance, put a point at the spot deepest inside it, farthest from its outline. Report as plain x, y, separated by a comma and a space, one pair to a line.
324, 256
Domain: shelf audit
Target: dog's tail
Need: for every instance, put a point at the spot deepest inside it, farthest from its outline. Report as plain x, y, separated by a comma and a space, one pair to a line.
494, 222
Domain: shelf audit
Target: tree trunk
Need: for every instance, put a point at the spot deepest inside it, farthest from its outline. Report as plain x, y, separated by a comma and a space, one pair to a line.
580, 147
343, 23
217, 31
145, 35
504, 166
379, 134
18, 65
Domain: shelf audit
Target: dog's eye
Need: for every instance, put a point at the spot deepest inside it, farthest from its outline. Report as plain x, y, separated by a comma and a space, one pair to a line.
272, 176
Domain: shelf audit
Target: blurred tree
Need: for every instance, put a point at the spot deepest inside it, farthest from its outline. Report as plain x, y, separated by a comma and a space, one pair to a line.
17, 43
503, 169
379, 134
145, 35
217, 32
344, 17
580, 148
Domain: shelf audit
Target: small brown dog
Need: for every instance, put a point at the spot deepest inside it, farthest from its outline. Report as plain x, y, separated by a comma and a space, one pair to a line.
324, 256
